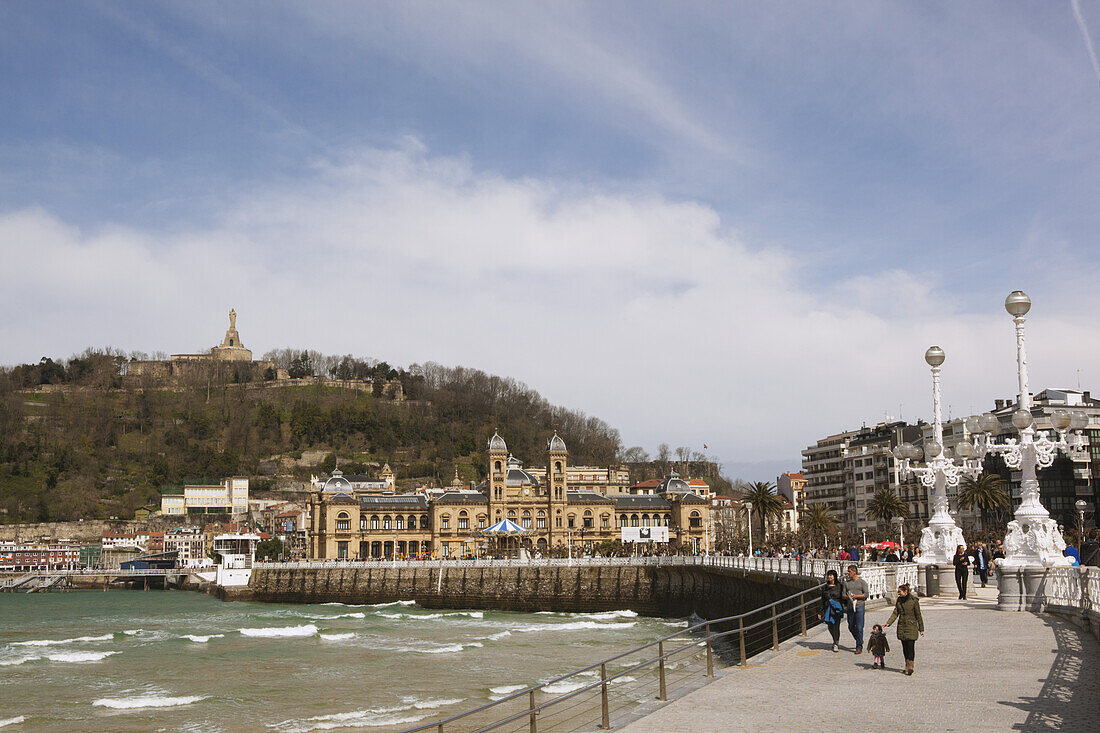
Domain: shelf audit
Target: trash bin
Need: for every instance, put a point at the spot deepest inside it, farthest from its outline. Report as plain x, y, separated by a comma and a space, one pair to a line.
932, 580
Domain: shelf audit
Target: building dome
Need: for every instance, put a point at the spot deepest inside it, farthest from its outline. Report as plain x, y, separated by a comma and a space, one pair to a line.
337, 483
673, 484
496, 443
517, 476
557, 444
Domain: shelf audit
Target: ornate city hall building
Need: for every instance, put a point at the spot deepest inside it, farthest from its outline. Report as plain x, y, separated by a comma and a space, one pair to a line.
347, 523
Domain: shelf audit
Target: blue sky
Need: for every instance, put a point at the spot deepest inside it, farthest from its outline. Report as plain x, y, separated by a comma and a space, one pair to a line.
737, 223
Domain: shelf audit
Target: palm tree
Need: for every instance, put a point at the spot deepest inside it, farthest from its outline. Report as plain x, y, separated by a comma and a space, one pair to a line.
987, 492
765, 503
817, 518
886, 505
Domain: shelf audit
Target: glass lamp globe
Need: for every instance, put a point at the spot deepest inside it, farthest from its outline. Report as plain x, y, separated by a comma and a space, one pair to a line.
947, 453
989, 423
1081, 505
914, 452
932, 449
1061, 419
974, 424
1017, 303
1021, 419
1079, 420
964, 450
899, 451
934, 356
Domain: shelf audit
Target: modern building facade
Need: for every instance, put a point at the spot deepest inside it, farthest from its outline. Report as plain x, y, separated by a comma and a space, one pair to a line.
228, 497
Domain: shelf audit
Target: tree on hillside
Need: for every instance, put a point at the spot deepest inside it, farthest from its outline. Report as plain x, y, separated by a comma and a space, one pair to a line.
987, 492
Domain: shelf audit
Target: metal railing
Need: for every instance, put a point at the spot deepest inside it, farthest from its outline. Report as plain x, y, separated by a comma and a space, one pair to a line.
733, 637
1070, 587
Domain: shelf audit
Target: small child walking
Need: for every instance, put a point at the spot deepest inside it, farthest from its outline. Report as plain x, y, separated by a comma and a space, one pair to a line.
878, 645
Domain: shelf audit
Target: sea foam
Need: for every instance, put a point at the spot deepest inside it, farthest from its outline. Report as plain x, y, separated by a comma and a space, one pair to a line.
337, 637
575, 626
304, 630
79, 656
12, 721
145, 701
560, 688
52, 642
506, 689
403, 714
201, 639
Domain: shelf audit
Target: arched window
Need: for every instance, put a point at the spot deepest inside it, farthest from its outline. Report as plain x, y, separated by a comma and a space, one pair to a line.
342, 522
342, 515
645, 520
411, 523
694, 520
633, 520
399, 523
497, 466
463, 520
512, 515
387, 522
557, 466
587, 519
424, 521
668, 520
622, 521
572, 520
605, 521
540, 520
526, 522
374, 522
362, 523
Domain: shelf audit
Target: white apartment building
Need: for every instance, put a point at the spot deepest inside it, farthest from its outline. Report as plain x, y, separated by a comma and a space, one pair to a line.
187, 543
228, 497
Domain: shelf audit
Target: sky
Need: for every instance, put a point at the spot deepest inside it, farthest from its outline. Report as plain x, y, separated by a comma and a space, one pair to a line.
737, 225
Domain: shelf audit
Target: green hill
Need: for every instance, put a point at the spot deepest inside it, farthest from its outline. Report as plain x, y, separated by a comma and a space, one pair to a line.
78, 439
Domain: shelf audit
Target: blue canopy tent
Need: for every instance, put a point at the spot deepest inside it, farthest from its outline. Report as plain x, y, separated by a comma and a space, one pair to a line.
504, 528
503, 531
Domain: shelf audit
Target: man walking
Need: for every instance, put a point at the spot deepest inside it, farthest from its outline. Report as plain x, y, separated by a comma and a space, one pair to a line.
982, 560
856, 589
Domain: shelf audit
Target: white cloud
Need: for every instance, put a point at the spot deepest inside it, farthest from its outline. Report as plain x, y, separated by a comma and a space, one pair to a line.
650, 313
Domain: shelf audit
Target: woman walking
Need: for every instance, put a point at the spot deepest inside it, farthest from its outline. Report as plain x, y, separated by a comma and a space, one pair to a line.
962, 570
910, 624
832, 606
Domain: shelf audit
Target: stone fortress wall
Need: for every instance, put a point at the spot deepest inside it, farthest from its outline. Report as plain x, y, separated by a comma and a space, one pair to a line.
674, 590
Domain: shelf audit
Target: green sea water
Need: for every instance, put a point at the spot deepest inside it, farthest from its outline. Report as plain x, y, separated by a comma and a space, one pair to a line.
182, 661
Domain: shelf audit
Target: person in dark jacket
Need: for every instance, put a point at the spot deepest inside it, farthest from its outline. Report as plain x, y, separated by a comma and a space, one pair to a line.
962, 570
910, 624
982, 560
833, 602
878, 645
1090, 550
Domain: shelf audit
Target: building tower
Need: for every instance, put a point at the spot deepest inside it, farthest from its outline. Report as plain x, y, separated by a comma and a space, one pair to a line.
557, 487
498, 471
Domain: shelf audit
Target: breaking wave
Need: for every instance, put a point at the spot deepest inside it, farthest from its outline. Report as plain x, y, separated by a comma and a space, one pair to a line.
445, 648
79, 656
200, 639
12, 721
337, 637
145, 701
52, 642
407, 712
304, 630
560, 688
430, 616
574, 626
506, 689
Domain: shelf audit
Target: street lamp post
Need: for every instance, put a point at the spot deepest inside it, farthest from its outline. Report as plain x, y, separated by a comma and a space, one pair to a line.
900, 521
1081, 506
748, 514
1032, 539
940, 538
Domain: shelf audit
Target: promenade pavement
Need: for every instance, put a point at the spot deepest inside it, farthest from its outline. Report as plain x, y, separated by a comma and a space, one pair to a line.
977, 669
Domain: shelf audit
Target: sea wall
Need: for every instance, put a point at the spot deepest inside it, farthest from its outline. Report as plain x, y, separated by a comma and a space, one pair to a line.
676, 590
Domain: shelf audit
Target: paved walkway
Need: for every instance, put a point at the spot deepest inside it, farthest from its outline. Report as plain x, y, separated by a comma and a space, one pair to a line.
977, 669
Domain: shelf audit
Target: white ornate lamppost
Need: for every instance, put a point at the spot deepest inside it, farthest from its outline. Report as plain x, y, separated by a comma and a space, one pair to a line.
940, 538
1032, 539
